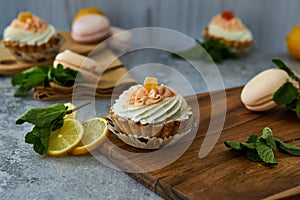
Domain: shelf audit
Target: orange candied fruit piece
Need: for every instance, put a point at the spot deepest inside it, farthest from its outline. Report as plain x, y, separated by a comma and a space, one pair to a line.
24, 16
150, 83
228, 15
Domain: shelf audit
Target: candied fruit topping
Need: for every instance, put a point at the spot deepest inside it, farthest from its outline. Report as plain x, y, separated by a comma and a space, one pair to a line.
24, 16
150, 83
228, 15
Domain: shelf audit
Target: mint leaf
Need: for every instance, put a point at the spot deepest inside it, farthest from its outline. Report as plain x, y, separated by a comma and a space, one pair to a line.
43, 117
290, 149
64, 76
29, 78
216, 50
265, 152
298, 109
18, 78
42, 76
29, 83
286, 94
253, 155
282, 65
292, 105
233, 145
39, 137
248, 145
260, 148
252, 139
196, 52
269, 138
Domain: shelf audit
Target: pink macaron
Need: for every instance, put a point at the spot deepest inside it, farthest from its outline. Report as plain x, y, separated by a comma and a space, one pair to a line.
90, 28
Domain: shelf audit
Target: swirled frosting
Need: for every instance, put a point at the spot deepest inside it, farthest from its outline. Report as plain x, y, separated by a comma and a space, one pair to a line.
229, 28
154, 106
31, 31
141, 96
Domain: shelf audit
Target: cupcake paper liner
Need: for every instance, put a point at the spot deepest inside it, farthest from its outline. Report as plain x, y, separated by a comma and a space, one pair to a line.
36, 53
239, 47
145, 142
159, 130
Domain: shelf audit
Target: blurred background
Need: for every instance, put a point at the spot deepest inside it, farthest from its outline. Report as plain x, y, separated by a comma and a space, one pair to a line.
269, 20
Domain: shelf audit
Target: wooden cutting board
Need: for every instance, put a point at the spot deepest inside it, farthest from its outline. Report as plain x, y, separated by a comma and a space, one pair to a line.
10, 65
222, 174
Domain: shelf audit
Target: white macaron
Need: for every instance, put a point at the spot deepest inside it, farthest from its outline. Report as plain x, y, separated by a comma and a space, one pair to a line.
257, 95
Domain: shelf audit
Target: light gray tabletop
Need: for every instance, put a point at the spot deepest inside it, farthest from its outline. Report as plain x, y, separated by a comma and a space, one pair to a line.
26, 175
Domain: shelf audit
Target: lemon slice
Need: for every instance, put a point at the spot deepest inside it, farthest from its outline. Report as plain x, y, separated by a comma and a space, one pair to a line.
70, 107
64, 139
95, 131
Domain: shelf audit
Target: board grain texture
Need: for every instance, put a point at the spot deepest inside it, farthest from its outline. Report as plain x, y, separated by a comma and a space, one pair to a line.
222, 174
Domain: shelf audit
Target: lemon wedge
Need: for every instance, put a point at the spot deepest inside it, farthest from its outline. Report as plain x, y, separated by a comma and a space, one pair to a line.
67, 137
95, 132
70, 107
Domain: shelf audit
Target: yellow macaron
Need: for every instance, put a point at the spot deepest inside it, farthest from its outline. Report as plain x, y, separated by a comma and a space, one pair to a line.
86, 11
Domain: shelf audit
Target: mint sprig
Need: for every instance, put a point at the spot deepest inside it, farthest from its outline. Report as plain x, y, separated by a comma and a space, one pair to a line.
45, 120
42, 76
281, 65
260, 148
218, 51
288, 94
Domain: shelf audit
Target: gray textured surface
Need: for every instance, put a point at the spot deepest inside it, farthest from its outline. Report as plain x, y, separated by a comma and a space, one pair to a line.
270, 20
25, 175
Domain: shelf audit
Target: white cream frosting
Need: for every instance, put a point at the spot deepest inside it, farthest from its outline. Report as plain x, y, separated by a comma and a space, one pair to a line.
170, 108
29, 37
244, 35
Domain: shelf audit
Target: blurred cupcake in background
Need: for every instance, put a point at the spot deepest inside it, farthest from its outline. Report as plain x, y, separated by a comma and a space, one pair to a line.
230, 30
31, 39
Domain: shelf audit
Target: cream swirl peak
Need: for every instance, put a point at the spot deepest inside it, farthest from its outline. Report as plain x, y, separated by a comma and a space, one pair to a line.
29, 22
158, 105
142, 96
29, 29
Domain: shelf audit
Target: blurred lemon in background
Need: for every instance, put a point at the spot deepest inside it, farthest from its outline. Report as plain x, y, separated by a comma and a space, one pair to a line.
293, 42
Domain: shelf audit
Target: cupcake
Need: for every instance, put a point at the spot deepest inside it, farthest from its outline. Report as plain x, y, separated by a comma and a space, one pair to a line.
230, 30
150, 115
31, 39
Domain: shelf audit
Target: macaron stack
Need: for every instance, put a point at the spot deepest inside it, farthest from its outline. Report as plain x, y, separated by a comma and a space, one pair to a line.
257, 95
